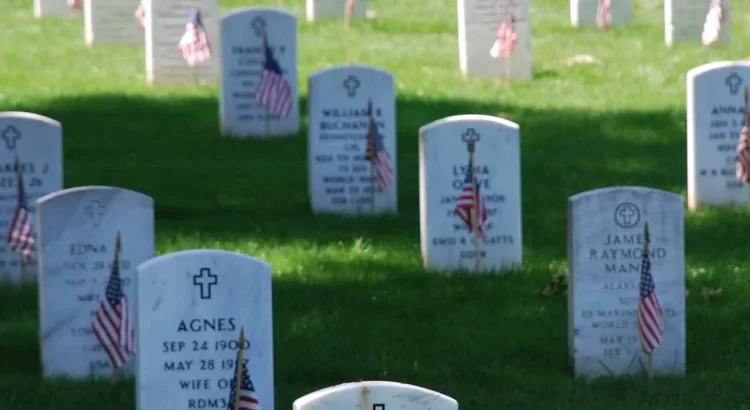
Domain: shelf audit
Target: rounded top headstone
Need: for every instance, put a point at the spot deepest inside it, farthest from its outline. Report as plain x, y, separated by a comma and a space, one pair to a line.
260, 10
716, 65
668, 196
198, 253
144, 199
29, 116
375, 395
468, 118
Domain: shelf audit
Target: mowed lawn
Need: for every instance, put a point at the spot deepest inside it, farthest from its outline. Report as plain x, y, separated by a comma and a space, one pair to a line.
351, 300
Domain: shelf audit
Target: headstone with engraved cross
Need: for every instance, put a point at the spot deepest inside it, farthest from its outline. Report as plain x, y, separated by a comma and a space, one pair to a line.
242, 60
76, 242
37, 143
605, 257
191, 306
478, 22
583, 12
166, 21
333, 9
375, 395
445, 193
340, 178
684, 21
55, 8
715, 105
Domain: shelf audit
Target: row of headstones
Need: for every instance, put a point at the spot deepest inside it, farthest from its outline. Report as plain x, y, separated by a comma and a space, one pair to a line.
683, 19
341, 179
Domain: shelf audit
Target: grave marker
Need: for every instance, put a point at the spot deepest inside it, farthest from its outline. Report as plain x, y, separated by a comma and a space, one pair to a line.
242, 60
333, 9
478, 22
341, 179
445, 193
605, 250
714, 120
684, 21
583, 12
375, 395
111, 22
77, 231
54, 8
37, 143
191, 307
165, 25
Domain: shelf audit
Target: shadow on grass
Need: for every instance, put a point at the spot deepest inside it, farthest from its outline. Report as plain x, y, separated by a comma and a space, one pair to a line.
171, 149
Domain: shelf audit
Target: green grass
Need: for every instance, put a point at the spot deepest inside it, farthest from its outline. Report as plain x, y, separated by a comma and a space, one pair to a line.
350, 297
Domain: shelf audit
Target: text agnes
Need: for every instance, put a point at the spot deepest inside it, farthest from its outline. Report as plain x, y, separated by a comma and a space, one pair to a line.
204, 364
462, 236
725, 124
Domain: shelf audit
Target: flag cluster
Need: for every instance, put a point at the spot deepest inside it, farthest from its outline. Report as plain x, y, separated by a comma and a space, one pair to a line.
194, 44
712, 26
112, 325
140, 15
506, 40
649, 314
604, 14
21, 233
273, 90
465, 204
378, 155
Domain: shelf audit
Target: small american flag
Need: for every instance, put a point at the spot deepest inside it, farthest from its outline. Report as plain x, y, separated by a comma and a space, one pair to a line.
350, 4
112, 325
273, 90
248, 400
377, 154
194, 43
465, 204
21, 233
140, 15
649, 319
75, 4
506, 40
743, 155
712, 26
603, 14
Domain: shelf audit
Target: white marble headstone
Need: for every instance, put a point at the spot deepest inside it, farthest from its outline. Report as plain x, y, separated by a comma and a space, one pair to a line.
478, 21
54, 8
37, 142
375, 395
333, 9
111, 22
684, 20
242, 60
165, 25
605, 249
191, 307
77, 232
340, 179
583, 12
715, 104
446, 241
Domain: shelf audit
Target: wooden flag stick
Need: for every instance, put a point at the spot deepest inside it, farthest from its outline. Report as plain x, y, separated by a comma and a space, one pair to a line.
650, 365
267, 123
474, 205
238, 372
509, 21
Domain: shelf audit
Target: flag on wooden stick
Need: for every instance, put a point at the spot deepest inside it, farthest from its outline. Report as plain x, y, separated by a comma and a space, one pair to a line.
604, 14
712, 26
506, 40
273, 90
649, 314
377, 154
140, 15
21, 233
743, 145
75, 4
194, 44
241, 389
465, 203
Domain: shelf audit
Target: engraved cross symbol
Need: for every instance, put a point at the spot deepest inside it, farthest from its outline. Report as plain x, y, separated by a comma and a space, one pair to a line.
95, 210
259, 26
351, 84
11, 135
627, 215
734, 82
205, 279
470, 135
